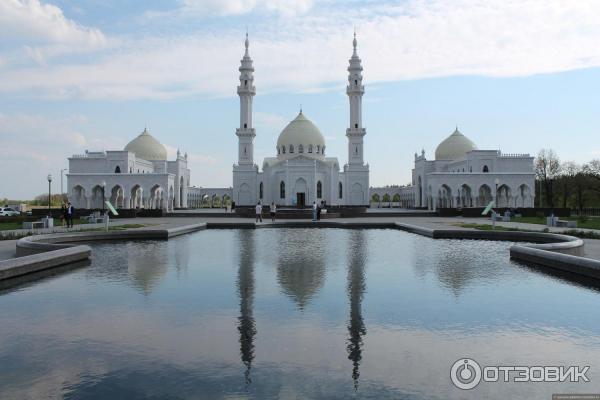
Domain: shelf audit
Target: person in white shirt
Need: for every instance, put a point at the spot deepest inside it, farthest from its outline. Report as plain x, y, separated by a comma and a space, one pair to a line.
273, 211
258, 212
314, 211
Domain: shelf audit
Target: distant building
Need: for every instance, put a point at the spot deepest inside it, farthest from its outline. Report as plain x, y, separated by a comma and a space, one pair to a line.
463, 176
300, 173
139, 176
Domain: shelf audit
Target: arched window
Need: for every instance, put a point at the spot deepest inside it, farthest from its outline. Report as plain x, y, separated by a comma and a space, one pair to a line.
130, 170
118, 170
356, 81
246, 82
245, 126
356, 126
278, 151
340, 190
283, 149
323, 150
318, 149
260, 190
291, 148
310, 148
319, 190
486, 169
282, 190
300, 149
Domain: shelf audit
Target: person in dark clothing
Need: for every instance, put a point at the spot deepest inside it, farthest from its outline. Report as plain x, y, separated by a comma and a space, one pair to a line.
70, 212
63, 214
319, 207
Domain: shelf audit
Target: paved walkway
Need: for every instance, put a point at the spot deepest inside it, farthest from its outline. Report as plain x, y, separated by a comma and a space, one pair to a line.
592, 246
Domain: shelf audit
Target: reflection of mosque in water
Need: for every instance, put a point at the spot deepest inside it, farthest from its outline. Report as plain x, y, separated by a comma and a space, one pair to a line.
458, 264
146, 263
301, 274
301, 264
245, 284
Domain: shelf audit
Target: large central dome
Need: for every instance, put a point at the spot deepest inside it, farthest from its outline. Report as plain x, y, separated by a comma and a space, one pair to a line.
454, 147
146, 147
300, 137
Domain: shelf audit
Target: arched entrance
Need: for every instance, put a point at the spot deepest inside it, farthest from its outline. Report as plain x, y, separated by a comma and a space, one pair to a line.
300, 192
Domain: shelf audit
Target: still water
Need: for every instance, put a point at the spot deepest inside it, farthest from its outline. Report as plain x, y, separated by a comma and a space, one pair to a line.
292, 313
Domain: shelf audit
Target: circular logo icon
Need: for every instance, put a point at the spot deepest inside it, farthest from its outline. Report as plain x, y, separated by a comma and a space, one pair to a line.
465, 373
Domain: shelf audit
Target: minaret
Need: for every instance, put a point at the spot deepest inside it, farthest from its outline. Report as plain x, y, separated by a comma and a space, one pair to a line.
246, 91
355, 91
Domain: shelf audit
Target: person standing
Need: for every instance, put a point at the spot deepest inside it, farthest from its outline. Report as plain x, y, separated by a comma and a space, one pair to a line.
273, 211
319, 207
63, 214
70, 212
314, 211
258, 212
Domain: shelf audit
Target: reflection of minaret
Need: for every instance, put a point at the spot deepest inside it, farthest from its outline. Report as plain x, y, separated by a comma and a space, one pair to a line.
356, 289
245, 283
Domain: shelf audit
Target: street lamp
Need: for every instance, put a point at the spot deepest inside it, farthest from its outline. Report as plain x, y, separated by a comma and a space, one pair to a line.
61, 182
497, 182
551, 191
103, 187
49, 193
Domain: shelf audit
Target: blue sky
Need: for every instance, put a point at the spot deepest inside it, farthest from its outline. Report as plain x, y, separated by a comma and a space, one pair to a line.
515, 75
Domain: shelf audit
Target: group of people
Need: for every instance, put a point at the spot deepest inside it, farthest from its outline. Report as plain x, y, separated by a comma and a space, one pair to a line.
316, 211
66, 214
272, 210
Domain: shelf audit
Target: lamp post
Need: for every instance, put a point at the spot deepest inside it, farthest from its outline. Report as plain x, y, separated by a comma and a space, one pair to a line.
497, 182
49, 193
61, 182
551, 191
103, 188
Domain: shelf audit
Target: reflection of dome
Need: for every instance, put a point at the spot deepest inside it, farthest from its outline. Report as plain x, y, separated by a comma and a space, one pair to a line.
145, 146
454, 147
300, 136
301, 265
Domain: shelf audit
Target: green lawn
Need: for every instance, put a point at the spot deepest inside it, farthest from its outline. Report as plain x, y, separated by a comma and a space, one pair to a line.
7, 226
572, 232
582, 222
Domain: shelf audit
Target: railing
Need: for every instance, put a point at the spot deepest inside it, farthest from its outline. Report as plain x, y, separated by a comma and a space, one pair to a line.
513, 155
587, 212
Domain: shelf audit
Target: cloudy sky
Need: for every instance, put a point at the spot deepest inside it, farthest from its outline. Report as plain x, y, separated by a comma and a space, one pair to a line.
517, 75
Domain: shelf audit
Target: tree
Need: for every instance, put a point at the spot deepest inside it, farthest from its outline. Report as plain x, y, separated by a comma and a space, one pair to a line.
547, 167
568, 171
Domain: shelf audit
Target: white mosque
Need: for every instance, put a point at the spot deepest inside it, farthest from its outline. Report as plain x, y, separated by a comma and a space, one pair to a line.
139, 176
300, 173
461, 176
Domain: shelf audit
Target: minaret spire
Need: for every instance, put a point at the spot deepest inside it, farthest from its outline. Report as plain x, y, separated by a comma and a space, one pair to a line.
246, 91
355, 91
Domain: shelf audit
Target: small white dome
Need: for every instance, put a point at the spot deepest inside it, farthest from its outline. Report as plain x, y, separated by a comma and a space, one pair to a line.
300, 137
454, 147
146, 147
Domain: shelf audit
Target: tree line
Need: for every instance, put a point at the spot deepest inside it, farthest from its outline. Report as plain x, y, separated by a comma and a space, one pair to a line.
566, 184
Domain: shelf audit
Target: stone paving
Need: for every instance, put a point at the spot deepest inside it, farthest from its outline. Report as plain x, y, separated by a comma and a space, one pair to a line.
592, 246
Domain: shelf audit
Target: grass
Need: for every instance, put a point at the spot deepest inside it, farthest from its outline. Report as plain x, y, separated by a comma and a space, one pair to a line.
582, 222
9, 226
571, 232
19, 235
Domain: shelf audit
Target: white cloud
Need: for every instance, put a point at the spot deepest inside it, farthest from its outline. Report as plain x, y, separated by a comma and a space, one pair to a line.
269, 121
223, 8
40, 145
43, 23
309, 52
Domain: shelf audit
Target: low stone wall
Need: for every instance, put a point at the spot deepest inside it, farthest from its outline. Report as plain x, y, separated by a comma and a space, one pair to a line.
42, 252
38, 262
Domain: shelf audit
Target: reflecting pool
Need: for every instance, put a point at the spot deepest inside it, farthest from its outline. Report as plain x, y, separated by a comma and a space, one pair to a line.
293, 313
